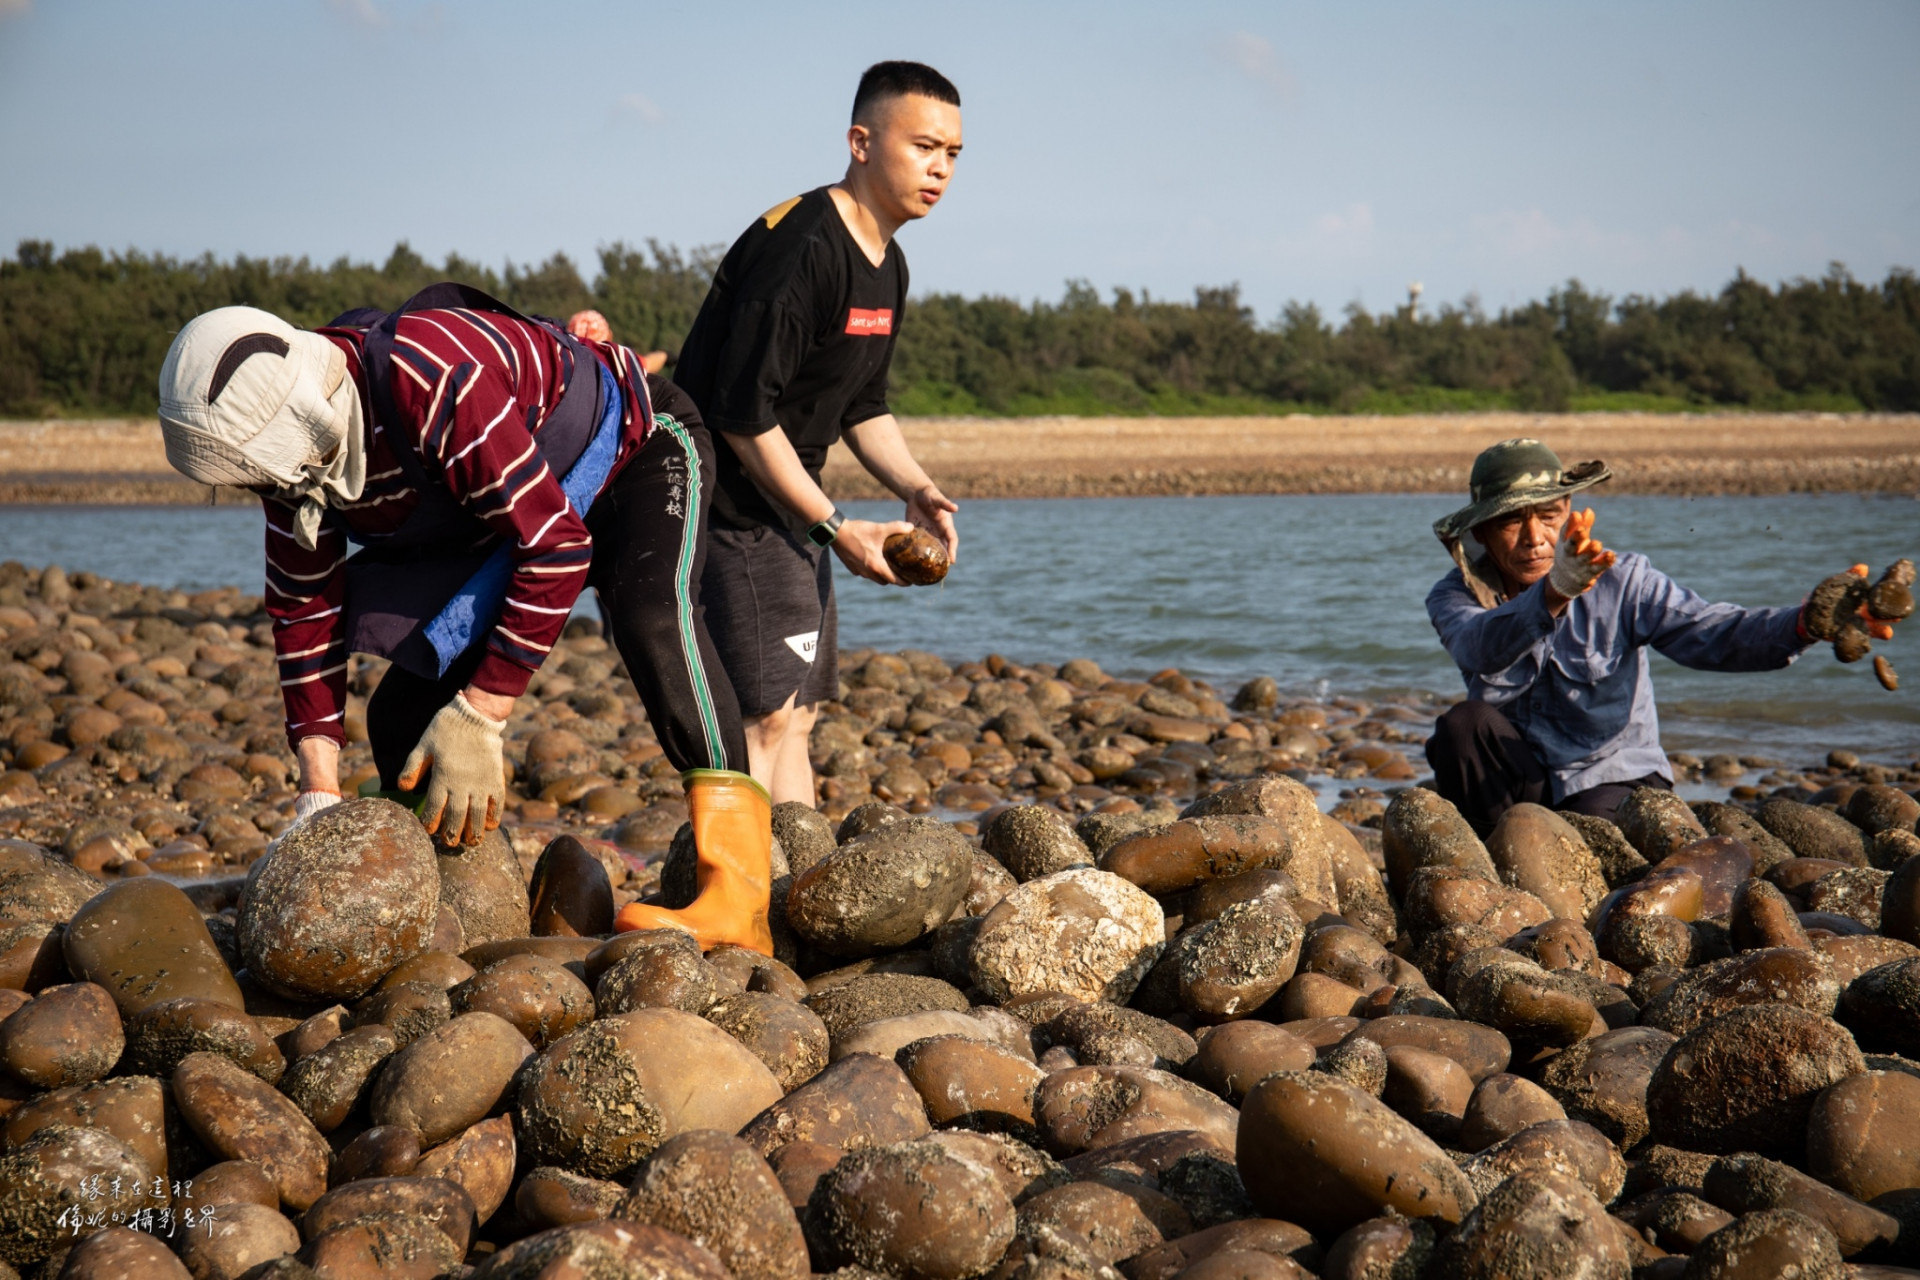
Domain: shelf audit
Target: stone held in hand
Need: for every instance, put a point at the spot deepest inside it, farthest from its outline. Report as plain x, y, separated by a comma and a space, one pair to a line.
346, 896
918, 558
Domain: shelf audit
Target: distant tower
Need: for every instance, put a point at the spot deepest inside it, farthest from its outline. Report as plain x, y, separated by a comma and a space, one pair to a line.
1414, 291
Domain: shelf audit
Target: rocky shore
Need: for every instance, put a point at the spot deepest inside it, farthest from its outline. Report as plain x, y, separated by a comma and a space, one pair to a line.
1073, 978
121, 462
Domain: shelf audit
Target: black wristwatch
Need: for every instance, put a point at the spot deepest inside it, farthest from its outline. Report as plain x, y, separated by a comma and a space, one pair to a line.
823, 534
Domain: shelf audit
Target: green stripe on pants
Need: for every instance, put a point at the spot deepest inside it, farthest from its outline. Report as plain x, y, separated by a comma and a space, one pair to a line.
683, 596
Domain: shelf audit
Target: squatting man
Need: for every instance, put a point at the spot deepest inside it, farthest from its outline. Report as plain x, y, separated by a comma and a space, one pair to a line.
1551, 631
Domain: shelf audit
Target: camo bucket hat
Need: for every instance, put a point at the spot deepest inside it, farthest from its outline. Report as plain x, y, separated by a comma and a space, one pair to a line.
1515, 474
1508, 477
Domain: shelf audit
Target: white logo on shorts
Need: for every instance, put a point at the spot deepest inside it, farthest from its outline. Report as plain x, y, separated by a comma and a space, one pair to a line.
804, 645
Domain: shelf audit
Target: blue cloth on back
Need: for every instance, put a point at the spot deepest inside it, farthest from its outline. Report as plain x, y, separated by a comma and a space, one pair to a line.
476, 606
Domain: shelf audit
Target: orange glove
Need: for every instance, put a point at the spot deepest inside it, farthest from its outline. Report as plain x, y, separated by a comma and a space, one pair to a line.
1579, 559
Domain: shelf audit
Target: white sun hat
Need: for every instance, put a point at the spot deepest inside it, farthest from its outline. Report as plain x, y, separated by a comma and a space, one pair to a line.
247, 399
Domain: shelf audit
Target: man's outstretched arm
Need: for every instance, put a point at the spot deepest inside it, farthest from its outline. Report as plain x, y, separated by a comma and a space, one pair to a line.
882, 450
770, 459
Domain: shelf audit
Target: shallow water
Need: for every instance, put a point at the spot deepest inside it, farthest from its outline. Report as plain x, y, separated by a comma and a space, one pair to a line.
1323, 593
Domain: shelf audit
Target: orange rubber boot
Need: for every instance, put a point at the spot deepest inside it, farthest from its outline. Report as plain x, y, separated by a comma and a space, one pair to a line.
732, 818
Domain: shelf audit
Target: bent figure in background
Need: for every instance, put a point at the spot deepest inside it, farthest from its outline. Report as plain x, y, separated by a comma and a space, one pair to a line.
1551, 631
490, 466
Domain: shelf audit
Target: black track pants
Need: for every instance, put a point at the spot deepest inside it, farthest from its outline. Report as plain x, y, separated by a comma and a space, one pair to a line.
649, 548
1483, 765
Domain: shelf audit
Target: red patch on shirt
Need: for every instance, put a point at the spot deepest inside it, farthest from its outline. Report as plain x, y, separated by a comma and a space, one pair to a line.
867, 323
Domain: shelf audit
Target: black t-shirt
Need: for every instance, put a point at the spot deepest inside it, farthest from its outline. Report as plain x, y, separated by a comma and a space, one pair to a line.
796, 332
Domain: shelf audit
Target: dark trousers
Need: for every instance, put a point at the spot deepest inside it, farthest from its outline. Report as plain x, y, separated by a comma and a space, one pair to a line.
649, 548
1484, 766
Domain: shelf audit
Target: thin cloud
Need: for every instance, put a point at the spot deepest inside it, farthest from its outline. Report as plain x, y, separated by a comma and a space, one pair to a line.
359, 12
639, 104
1254, 57
15, 8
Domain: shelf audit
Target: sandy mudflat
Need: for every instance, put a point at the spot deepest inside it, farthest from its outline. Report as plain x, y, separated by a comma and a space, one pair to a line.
120, 461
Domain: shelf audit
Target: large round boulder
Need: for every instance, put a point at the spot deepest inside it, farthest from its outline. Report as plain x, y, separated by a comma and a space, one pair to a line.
346, 896
1083, 933
601, 1100
882, 889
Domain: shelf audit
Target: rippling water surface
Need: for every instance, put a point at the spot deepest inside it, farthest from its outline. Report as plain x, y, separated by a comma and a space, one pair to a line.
1323, 593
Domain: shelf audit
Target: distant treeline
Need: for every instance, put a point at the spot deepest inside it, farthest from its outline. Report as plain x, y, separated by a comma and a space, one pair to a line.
84, 332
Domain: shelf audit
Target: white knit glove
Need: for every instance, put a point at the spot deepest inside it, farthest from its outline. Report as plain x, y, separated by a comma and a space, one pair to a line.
308, 803
469, 787
1578, 558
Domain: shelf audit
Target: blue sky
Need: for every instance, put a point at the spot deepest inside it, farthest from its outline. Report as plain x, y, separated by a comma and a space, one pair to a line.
1323, 152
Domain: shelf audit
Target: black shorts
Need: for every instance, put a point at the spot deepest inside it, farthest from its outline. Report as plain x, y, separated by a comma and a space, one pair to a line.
770, 610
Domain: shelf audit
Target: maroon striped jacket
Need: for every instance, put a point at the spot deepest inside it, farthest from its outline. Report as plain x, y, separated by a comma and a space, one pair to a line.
471, 391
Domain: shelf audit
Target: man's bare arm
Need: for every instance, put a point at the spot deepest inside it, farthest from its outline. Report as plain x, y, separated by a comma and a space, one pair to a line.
770, 459
882, 450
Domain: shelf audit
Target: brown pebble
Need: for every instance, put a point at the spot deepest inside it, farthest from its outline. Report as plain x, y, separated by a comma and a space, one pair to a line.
570, 893
717, 1191
1323, 1154
481, 1159
550, 1197
1238, 1055
330, 1082
444, 1204
857, 1102
609, 1248
1502, 1105
601, 1099
1772, 1242
1379, 1249
1086, 1108
65, 1036
1116, 1222
1864, 1134
537, 996
159, 1036
799, 1166
144, 941
917, 558
118, 1253
235, 1239
1749, 1183
229, 1182
1748, 1079
1535, 1226
1276, 1239
383, 1151
450, 1078
42, 1178
238, 1116
971, 1084
912, 1210
131, 1108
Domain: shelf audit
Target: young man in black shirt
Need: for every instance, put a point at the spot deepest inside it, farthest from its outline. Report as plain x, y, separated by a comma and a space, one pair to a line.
789, 354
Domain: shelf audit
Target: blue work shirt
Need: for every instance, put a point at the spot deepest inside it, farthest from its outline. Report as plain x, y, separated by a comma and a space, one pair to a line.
1577, 686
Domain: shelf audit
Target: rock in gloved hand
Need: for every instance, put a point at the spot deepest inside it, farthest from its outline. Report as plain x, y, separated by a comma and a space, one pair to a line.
917, 559
1891, 598
1836, 600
